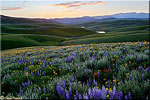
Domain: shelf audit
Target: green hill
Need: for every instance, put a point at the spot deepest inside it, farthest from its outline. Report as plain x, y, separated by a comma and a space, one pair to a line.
116, 31
41, 32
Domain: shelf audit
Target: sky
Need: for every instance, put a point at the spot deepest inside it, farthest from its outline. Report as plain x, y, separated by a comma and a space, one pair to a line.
61, 9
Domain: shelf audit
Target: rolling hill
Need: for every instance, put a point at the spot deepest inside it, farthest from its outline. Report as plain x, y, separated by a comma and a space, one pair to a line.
26, 32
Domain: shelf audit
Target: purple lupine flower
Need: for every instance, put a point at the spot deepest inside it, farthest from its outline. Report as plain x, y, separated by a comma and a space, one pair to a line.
50, 63
21, 91
40, 71
75, 98
98, 74
29, 82
44, 90
96, 93
114, 89
147, 69
95, 83
23, 84
72, 78
80, 96
85, 97
113, 65
129, 96
147, 97
90, 94
58, 88
89, 81
64, 84
70, 92
69, 82
142, 76
73, 54
140, 68
67, 95
77, 94
121, 94
131, 77
31, 73
104, 92
126, 97
26, 83
43, 65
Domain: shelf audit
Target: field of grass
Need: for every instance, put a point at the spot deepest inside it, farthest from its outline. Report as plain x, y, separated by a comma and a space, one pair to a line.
90, 71
27, 40
116, 31
109, 39
45, 29
118, 25
52, 34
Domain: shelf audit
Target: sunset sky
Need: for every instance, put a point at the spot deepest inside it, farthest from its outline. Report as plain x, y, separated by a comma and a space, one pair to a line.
60, 9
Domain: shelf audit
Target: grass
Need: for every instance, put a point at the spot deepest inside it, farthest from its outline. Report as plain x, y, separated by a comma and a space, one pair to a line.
109, 39
45, 29
26, 40
52, 34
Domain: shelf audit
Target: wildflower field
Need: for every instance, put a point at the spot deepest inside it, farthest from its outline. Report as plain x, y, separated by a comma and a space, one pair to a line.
88, 71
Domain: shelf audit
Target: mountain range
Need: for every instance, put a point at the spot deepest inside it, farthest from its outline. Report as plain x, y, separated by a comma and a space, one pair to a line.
77, 20
86, 19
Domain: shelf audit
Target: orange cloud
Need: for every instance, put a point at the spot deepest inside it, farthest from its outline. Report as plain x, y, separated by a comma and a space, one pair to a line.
12, 8
79, 3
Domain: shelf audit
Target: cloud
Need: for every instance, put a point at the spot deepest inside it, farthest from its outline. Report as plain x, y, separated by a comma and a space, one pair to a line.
14, 5
11, 8
79, 3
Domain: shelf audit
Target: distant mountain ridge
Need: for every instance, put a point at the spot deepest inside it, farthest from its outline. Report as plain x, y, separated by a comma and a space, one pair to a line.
77, 20
20, 20
126, 16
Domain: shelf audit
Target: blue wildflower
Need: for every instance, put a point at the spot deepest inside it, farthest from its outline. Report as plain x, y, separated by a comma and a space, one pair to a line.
140, 68
147, 69
85, 97
72, 78
21, 91
129, 96
23, 84
142, 76
64, 84
80, 96
70, 92
98, 74
126, 97
44, 90
131, 77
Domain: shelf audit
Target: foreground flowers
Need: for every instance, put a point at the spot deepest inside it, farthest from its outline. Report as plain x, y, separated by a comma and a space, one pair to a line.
96, 71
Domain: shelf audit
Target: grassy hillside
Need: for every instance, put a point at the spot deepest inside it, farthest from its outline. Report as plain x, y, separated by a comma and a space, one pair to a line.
116, 31
36, 33
26, 40
45, 29
117, 25
109, 39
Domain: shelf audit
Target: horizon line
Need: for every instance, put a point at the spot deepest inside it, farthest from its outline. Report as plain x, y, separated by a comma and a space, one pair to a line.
69, 17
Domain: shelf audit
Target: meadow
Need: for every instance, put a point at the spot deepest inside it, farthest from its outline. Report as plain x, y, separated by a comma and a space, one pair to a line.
88, 71
17, 33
